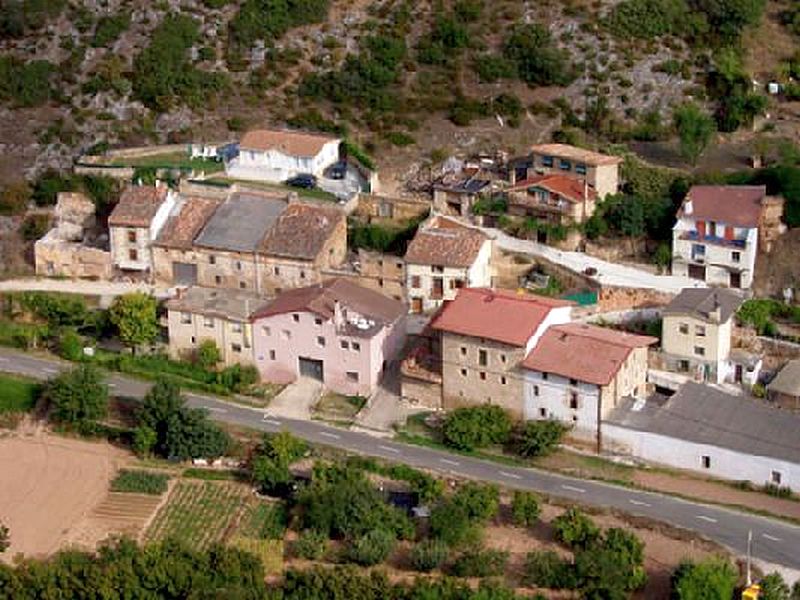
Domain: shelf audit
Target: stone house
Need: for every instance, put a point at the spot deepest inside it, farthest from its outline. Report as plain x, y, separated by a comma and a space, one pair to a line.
444, 257
136, 222
384, 273
485, 335
578, 374
457, 193
222, 316
784, 390
338, 332
379, 208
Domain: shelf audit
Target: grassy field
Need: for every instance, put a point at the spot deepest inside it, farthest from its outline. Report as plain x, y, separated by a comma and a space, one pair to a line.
337, 407
18, 395
171, 160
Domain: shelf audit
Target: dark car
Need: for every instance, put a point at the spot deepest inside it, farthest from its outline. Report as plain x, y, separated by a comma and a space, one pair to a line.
337, 170
303, 180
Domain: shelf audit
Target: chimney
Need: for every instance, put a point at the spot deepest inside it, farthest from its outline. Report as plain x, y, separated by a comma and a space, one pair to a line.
716, 313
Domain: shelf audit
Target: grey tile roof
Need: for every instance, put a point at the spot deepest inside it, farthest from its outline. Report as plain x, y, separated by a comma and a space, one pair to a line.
787, 381
705, 415
235, 305
241, 222
700, 302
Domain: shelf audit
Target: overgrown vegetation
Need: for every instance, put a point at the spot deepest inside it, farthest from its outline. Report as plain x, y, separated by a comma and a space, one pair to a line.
140, 482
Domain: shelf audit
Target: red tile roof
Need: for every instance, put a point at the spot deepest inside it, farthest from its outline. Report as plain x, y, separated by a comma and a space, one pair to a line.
291, 143
182, 228
737, 205
137, 206
302, 230
447, 243
584, 352
577, 154
498, 315
568, 187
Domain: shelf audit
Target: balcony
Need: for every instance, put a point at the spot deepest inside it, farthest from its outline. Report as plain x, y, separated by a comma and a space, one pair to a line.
693, 236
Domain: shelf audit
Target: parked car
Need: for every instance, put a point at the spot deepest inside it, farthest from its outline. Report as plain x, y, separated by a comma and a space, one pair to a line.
303, 180
337, 170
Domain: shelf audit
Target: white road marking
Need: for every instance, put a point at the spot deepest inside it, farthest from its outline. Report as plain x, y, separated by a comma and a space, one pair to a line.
217, 410
770, 537
50, 370
511, 475
572, 488
705, 518
271, 421
638, 502
333, 436
389, 449
447, 461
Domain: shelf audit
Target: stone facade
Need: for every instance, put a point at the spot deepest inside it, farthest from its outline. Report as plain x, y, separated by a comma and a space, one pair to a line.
376, 208
188, 330
57, 258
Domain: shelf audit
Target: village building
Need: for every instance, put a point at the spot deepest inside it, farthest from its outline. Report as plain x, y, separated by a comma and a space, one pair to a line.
485, 335
599, 171
384, 273
73, 247
198, 314
696, 334
337, 332
457, 193
702, 429
784, 389
579, 373
375, 208
278, 155
444, 257
136, 222
716, 236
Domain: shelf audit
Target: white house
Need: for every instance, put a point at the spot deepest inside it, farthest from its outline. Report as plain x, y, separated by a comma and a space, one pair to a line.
715, 238
578, 374
716, 434
444, 257
135, 223
277, 155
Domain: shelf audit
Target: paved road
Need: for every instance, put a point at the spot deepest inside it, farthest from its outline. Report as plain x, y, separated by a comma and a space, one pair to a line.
774, 542
108, 289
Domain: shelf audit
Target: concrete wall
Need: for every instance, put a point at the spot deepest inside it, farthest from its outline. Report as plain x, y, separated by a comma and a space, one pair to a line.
187, 331
713, 338
273, 165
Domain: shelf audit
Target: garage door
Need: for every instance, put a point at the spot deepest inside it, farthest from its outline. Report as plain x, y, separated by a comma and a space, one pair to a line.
184, 273
311, 368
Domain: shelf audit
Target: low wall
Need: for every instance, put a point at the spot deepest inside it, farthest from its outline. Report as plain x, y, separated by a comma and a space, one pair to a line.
612, 298
421, 393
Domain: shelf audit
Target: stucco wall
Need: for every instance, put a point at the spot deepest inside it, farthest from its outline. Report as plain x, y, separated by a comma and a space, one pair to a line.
233, 338
121, 247
679, 346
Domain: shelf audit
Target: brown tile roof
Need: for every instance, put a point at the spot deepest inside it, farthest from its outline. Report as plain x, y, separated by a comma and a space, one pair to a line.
137, 206
737, 205
321, 298
447, 243
301, 230
499, 315
182, 228
584, 352
291, 143
569, 188
577, 154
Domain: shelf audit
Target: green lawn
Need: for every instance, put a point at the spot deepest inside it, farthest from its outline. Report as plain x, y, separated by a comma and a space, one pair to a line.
171, 160
17, 394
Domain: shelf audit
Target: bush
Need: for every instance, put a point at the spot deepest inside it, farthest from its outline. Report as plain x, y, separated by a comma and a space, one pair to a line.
539, 438
310, 545
140, 482
372, 548
779, 491
479, 501
481, 563
476, 427
491, 68
14, 198
237, 378
109, 28
538, 60
451, 525
575, 530
208, 355
713, 579
269, 467
77, 396
429, 555
34, 227
70, 345
612, 565
548, 570
647, 19
525, 508
25, 84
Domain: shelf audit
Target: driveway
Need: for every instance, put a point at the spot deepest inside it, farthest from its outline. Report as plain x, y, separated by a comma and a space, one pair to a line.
296, 399
385, 407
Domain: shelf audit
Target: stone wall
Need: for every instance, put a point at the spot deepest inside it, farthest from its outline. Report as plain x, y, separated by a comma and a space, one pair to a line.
611, 298
373, 207
71, 259
420, 392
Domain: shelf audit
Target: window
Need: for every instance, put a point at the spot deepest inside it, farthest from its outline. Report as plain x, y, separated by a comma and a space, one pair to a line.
302, 274
502, 380
356, 346
776, 477
457, 283
543, 413
573, 382
132, 236
483, 375
212, 260
272, 354
186, 318
415, 281
736, 256
573, 401
437, 269
706, 462
699, 351
483, 358
236, 347
133, 254
352, 376
267, 330
209, 322
286, 334
344, 344
463, 350
276, 270
236, 327
544, 376
399, 265
683, 366
437, 289
684, 328
317, 321
380, 263
321, 341
193, 339
296, 318
503, 358
536, 391
380, 281
580, 169
463, 372
238, 265
242, 285
564, 165
547, 161
698, 251
218, 279
700, 330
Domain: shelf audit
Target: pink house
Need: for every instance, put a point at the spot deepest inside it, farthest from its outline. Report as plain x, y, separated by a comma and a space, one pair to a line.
337, 331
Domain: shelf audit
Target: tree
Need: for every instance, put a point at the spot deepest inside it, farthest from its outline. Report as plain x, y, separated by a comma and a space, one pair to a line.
539, 61
134, 316
450, 524
773, 587
428, 555
538, 438
612, 567
160, 402
713, 579
77, 396
270, 465
372, 548
5, 538
575, 530
144, 440
208, 355
695, 129
525, 508
311, 545
477, 562
547, 569
480, 501
474, 427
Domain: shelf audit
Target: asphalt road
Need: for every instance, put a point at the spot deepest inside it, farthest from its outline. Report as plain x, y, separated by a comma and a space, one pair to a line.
774, 542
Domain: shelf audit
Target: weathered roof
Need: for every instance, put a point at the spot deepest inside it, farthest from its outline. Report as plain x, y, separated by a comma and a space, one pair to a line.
461, 185
737, 205
321, 299
569, 188
705, 415
584, 352
182, 227
302, 230
241, 222
446, 243
787, 381
577, 154
138, 205
701, 302
234, 305
291, 143
499, 315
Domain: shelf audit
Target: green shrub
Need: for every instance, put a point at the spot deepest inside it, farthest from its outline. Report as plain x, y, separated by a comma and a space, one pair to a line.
399, 138
475, 427
34, 227
372, 548
539, 438
548, 570
450, 524
779, 491
70, 345
575, 530
109, 28
140, 482
492, 67
14, 198
25, 84
208, 355
713, 579
525, 508
429, 555
77, 396
270, 19
311, 545
538, 60
647, 19
480, 501
480, 563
